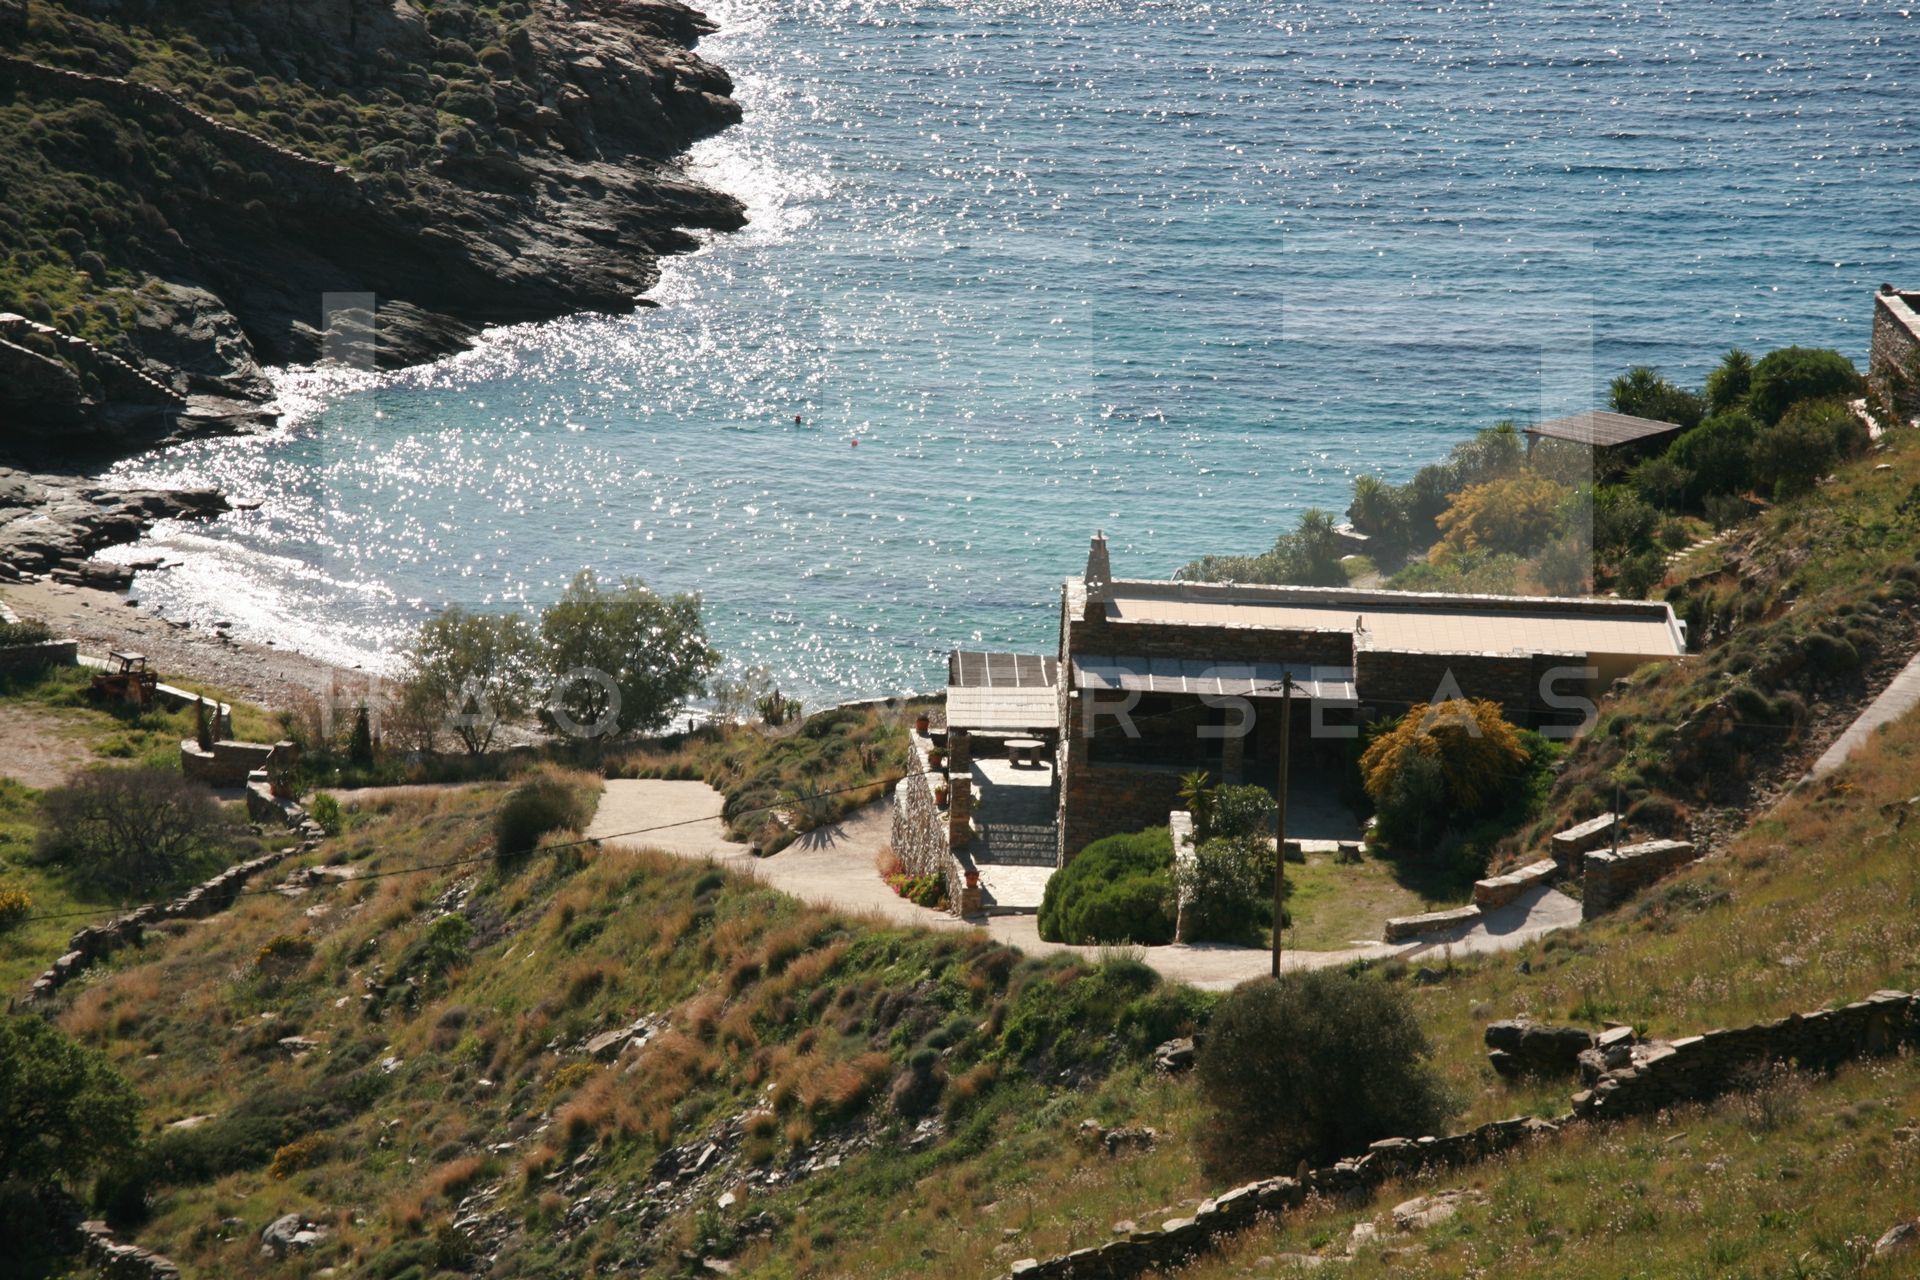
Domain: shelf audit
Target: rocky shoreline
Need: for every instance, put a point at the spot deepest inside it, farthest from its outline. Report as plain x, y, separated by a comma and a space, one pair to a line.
557, 192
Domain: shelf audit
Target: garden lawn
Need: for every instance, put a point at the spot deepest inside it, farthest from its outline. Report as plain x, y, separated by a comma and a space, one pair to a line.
1334, 905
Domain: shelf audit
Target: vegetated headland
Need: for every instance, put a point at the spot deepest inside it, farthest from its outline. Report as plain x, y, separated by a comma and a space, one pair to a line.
188, 185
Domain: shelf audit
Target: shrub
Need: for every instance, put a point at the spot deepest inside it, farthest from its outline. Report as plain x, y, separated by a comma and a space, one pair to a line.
132, 831
1640, 574
540, 803
1228, 889
1243, 811
1314, 1066
283, 955
1790, 375
64, 1109
1118, 889
1727, 385
1478, 751
24, 633
325, 812
1805, 444
1719, 452
16, 904
1514, 514
1642, 392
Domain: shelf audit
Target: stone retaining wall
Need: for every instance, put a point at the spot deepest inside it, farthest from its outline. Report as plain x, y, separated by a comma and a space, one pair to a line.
1663, 1073
38, 657
1403, 928
96, 942
115, 1261
1497, 891
1894, 362
1613, 876
921, 836
1570, 844
227, 765
1182, 1238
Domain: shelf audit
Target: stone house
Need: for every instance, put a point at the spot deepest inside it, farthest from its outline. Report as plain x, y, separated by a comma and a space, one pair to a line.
1155, 679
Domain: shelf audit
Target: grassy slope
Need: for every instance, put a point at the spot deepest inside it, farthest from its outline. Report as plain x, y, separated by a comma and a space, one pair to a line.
791, 1027
115, 735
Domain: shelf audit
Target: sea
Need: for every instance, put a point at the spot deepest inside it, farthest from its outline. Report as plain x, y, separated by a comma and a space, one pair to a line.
1021, 270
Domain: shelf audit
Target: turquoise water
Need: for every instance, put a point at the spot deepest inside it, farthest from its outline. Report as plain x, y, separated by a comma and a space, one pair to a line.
1174, 271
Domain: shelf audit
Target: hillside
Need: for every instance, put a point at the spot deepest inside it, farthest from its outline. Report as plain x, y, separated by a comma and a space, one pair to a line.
187, 182
600, 1058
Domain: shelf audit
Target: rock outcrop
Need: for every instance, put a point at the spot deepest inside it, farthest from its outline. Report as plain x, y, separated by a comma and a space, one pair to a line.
232, 223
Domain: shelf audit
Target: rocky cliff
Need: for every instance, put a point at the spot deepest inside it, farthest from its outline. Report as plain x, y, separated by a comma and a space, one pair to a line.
188, 179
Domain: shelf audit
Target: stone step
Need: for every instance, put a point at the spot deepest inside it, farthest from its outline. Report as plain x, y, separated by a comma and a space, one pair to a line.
1018, 844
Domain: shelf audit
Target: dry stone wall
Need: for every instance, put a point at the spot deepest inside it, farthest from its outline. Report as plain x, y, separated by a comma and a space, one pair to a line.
1660, 1074
922, 838
1894, 364
96, 942
1613, 876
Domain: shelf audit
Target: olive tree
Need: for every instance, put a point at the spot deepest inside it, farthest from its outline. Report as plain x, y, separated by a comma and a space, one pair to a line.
622, 658
468, 672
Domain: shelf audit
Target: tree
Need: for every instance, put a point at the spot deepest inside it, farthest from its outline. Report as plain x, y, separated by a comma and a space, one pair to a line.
1314, 1066
622, 658
1227, 886
1785, 377
1805, 444
132, 831
1565, 566
1727, 385
1478, 751
1718, 452
63, 1108
1308, 556
1512, 515
468, 672
1642, 392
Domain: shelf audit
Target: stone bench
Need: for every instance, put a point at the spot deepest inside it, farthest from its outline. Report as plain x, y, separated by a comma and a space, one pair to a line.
1568, 845
1405, 928
1497, 891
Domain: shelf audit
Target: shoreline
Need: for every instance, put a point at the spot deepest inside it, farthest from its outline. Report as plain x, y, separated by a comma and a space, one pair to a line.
101, 620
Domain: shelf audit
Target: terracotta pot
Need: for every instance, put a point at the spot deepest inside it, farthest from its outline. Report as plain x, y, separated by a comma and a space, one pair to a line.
973, 878
940, 796
920, 724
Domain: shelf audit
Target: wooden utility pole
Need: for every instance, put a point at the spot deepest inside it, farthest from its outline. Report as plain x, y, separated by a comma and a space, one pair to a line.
1280, 818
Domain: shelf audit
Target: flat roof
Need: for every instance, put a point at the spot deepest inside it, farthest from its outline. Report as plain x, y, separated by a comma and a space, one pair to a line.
1211, 679
1600, 428
1006, 691
1413, 621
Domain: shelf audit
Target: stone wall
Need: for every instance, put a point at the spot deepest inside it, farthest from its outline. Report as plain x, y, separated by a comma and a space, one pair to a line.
96, 942
1405, 928
1103, 800
922, 835
1663, 1073
1498, 891
37, 657
1660, 1075
1894, 364
1613, 876
1182, 1238
112, 1260
1569, 845
227, 765
1392, 681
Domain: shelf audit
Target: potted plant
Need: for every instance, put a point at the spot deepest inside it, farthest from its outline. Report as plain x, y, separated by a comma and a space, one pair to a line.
973, 878
936, 757
940, 793
921, 724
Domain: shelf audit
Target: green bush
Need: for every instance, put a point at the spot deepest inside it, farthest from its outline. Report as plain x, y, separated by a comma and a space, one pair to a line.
539, 804
1228, 889
64, 1108
1243, 811
325, 812
1314, 1066
132, 831
1718, 452
1119, 889
1790, 375
1805, 444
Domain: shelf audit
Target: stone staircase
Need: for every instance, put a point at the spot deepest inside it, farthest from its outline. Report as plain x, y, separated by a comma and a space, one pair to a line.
1025, 844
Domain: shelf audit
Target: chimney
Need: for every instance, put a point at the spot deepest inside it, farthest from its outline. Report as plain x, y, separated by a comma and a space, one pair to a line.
1099, 576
